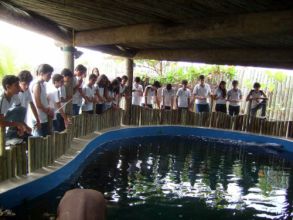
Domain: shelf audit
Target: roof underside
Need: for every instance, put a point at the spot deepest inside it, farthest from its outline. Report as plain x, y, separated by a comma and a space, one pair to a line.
254, 32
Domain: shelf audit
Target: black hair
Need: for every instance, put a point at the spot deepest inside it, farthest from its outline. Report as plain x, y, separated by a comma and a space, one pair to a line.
44, 69
235, 82
137, 79
80, 68
256, 85
201, 77
224, 91
95, 69
92, 76
8, 80
25, 76
114, 86
157, 84
169, 86
184, 82
119, 79
57, 77
66, 73
124, 77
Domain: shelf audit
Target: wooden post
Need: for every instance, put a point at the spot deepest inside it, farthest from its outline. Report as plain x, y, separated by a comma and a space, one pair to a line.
129, 71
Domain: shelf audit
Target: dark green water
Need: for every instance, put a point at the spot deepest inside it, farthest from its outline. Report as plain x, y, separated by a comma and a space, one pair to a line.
182, 178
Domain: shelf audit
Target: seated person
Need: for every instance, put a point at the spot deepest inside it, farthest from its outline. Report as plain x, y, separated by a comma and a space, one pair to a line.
12, 113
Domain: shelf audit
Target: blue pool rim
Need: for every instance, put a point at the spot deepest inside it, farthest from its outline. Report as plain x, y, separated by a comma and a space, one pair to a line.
31, 190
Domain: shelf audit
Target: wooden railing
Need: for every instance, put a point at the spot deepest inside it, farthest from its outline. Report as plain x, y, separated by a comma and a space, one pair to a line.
40, 152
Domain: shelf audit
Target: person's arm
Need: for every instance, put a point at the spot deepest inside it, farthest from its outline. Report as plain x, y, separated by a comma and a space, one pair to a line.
264, 95
157, 99
98, 95
35, 113
145, 96
163, 97
248, 98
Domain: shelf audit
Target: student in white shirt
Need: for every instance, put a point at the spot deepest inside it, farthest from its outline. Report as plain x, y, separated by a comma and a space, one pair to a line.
102, 82
220, 96
183, 96
112, 93
66, 91
80, 74
168, 94
89, 91
202, 92
234, 98
150, 95
25, 78
137, 92
12, 114
258, 100
38, 90
122, 90
54, 98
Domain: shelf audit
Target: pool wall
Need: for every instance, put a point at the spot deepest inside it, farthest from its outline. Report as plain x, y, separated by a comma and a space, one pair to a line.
31, 190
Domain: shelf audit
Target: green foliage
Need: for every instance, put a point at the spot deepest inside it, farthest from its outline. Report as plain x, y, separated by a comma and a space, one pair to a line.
7, 58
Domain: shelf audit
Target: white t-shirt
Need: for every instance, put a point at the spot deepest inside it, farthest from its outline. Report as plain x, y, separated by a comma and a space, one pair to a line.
54, 97
234, 95
150, 96
203, 91
25, 98
77, 98
221, 100
183, 96
43, 96
136, 94
5, 105
101, 91
168, 96
256, 94
89, 92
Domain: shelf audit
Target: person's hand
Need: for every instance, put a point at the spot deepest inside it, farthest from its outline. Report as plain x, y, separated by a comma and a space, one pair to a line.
50, 112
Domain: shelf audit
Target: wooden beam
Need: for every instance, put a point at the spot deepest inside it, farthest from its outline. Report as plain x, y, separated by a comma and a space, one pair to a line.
33, 22
279, 58
236, 26
115, 51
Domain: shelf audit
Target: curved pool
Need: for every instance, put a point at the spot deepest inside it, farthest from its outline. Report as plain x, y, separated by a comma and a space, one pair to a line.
172, 172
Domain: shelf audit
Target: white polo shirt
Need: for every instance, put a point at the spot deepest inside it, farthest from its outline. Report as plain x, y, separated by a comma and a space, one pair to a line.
77, 98
5, 105
256, 94
89, 92
234, 95
183, 96
168, 96
136, 94
203, 91
221, 100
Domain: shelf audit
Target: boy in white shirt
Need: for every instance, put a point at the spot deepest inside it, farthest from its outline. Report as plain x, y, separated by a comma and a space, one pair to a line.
234, 98
137, 92
89, 91
39, 95
12, 114
258, 100
80, 74
54, 97
183, 96
201, 92
168, 97
25, 78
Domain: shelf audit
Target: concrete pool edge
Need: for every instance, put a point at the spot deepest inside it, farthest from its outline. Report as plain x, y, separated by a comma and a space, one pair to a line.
48, 182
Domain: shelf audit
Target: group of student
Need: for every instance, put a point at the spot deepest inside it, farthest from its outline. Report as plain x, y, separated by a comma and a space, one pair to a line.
27, 104
168, 98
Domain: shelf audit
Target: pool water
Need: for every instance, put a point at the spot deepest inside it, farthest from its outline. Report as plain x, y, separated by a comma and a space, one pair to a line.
174, 177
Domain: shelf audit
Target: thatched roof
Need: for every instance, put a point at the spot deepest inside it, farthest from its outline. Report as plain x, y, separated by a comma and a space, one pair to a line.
258, 32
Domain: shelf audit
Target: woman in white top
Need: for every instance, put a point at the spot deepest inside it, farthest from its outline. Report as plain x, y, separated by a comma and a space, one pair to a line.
137, 92
150, 95
100, 93
168, 97
112, 94
220, 97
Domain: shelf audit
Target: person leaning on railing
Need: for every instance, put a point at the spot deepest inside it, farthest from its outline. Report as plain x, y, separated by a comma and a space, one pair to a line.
234, 98
201, 93
258, 100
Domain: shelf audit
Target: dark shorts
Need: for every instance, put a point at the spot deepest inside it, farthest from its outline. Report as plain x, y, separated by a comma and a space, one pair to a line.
58, 124
202, 107
221, 108
234, 110
76, 109
99, 108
